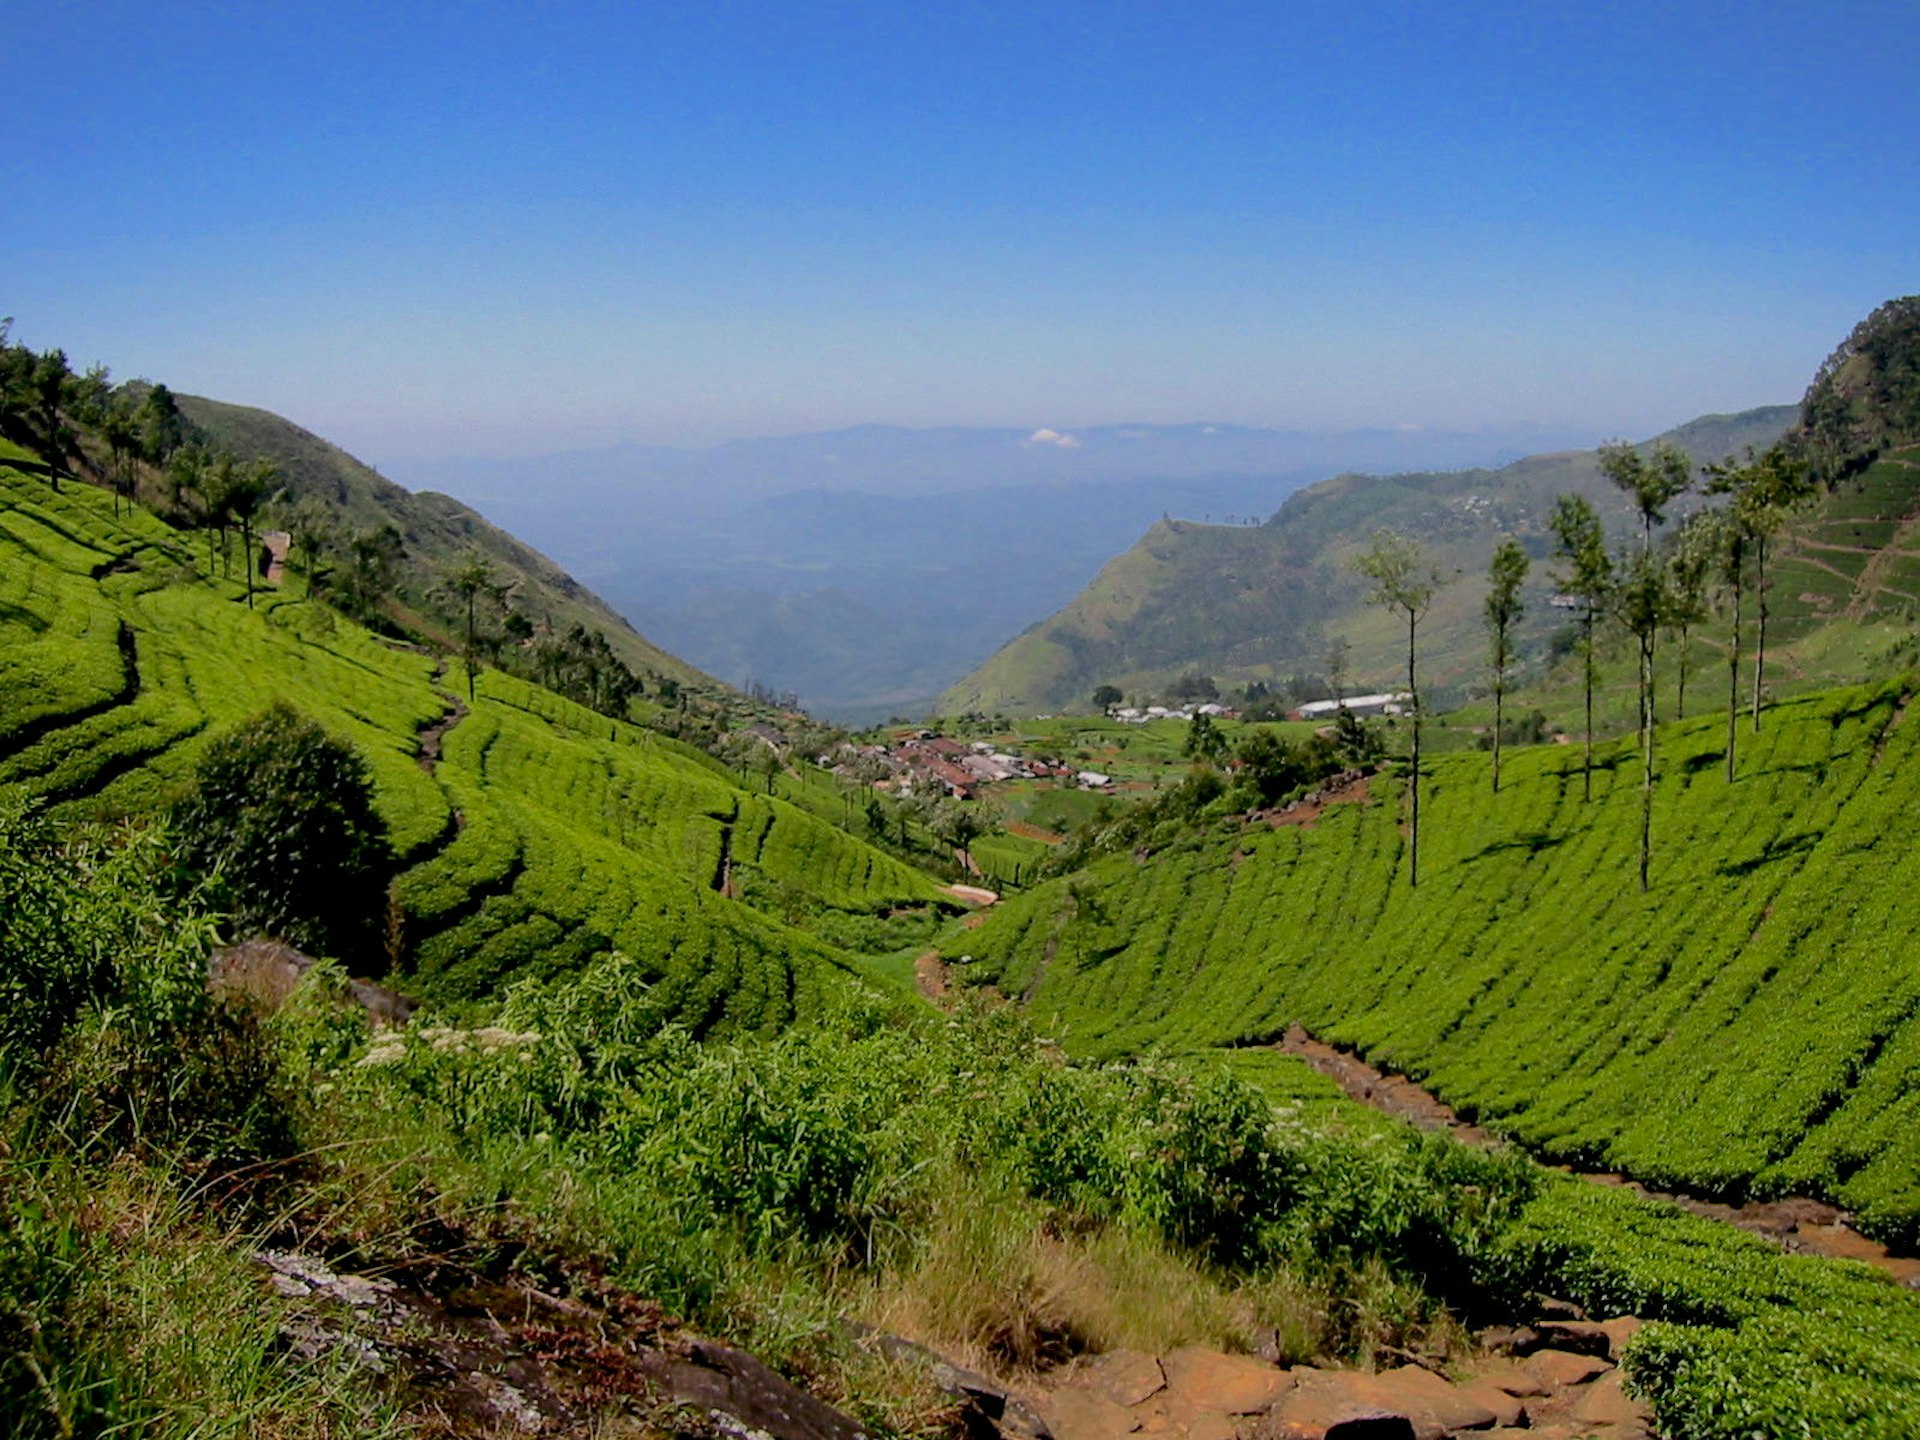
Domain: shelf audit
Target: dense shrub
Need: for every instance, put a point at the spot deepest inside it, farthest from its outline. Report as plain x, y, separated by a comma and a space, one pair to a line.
280, 819
87, 922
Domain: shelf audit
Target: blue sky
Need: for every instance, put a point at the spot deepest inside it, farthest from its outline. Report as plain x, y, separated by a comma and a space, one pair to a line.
435, 229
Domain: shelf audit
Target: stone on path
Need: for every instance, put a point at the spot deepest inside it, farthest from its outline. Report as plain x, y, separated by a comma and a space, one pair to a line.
1506, 1409
1410, 1402
1607, 1404
1235, 1384
1561, 1368
1424, 1395
1074, 1414
1513, 1378
1619, 1332
1125, 1377
1168, 1416
1582, 1337
1327, 1406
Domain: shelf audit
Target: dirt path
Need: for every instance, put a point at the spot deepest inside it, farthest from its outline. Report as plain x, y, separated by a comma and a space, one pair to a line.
1873, 576
930, 973
430, 737
1796, 1224
276, 543
1893, 721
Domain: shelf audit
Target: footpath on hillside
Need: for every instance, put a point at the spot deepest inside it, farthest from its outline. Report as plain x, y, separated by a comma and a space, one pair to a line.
1797, 1224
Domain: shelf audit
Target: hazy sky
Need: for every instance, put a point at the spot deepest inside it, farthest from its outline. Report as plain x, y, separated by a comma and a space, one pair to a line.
435, 230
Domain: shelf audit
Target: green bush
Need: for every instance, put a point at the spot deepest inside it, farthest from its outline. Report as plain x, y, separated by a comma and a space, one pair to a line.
281, 820
87, 922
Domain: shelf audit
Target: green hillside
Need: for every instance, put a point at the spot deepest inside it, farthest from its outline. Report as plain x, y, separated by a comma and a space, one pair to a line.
1263, 602
544, 835
438, 531
1751, 1025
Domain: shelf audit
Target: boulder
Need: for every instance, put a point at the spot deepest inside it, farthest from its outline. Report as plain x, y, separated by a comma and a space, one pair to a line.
1514, 1379
1431, 1401
1327, 1406
1582, 1337
1076, 1414
1124, 1376
1213, 1380
1344, 1405
717, 1378
1561, 1368
1619, 1331
1507, 1409
1509, 1339
1606, 1403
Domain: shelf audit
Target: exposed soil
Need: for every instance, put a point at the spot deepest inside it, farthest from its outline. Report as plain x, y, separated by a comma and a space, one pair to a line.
276, 543
1033, 832
429, 738
930, 973
1796, 1223
1307, 810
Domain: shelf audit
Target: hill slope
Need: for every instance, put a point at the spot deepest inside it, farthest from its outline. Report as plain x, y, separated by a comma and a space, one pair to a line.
439, 531
542, 835
1750, 1025
1264, 601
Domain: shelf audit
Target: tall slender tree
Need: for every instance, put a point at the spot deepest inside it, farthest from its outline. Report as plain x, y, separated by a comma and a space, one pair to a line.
121, 432
473, 579
1580, 544
1735, 541
52, 378
1690, 566
1404, 583
217, 486
1503, 611
1768, 490
310, 531
1651, 482
1642, 603
247, 489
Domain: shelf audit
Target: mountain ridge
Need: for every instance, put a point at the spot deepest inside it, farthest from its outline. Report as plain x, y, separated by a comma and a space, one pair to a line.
1263, 602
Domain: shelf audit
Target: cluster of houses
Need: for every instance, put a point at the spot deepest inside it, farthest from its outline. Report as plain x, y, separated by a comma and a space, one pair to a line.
1353, 704
1141, 715
959, 767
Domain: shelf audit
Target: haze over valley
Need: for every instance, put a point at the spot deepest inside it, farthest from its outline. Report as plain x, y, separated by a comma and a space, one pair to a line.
866, 571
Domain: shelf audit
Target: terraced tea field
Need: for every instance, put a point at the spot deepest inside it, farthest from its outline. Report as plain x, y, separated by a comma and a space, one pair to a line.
541, 835
1747, 1026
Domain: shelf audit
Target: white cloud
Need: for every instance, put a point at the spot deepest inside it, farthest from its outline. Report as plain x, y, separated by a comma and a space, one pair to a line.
1044, 436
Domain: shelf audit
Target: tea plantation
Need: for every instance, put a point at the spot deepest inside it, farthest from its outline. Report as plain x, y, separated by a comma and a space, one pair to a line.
1748, 1025
543, 835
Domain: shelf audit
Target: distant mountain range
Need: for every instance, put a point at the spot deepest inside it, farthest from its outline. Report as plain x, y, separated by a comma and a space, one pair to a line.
1263, 602
867, 569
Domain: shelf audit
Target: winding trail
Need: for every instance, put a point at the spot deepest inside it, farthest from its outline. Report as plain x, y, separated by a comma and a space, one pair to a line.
429, 738
1796, 1223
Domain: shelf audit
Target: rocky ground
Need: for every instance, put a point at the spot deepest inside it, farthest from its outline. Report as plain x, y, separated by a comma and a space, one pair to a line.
468, 1353
1552, 1382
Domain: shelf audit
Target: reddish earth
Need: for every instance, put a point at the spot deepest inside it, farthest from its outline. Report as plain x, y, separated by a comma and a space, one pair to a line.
1795, 1223
1306, 811
1033, 832
276, 543
930, 971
